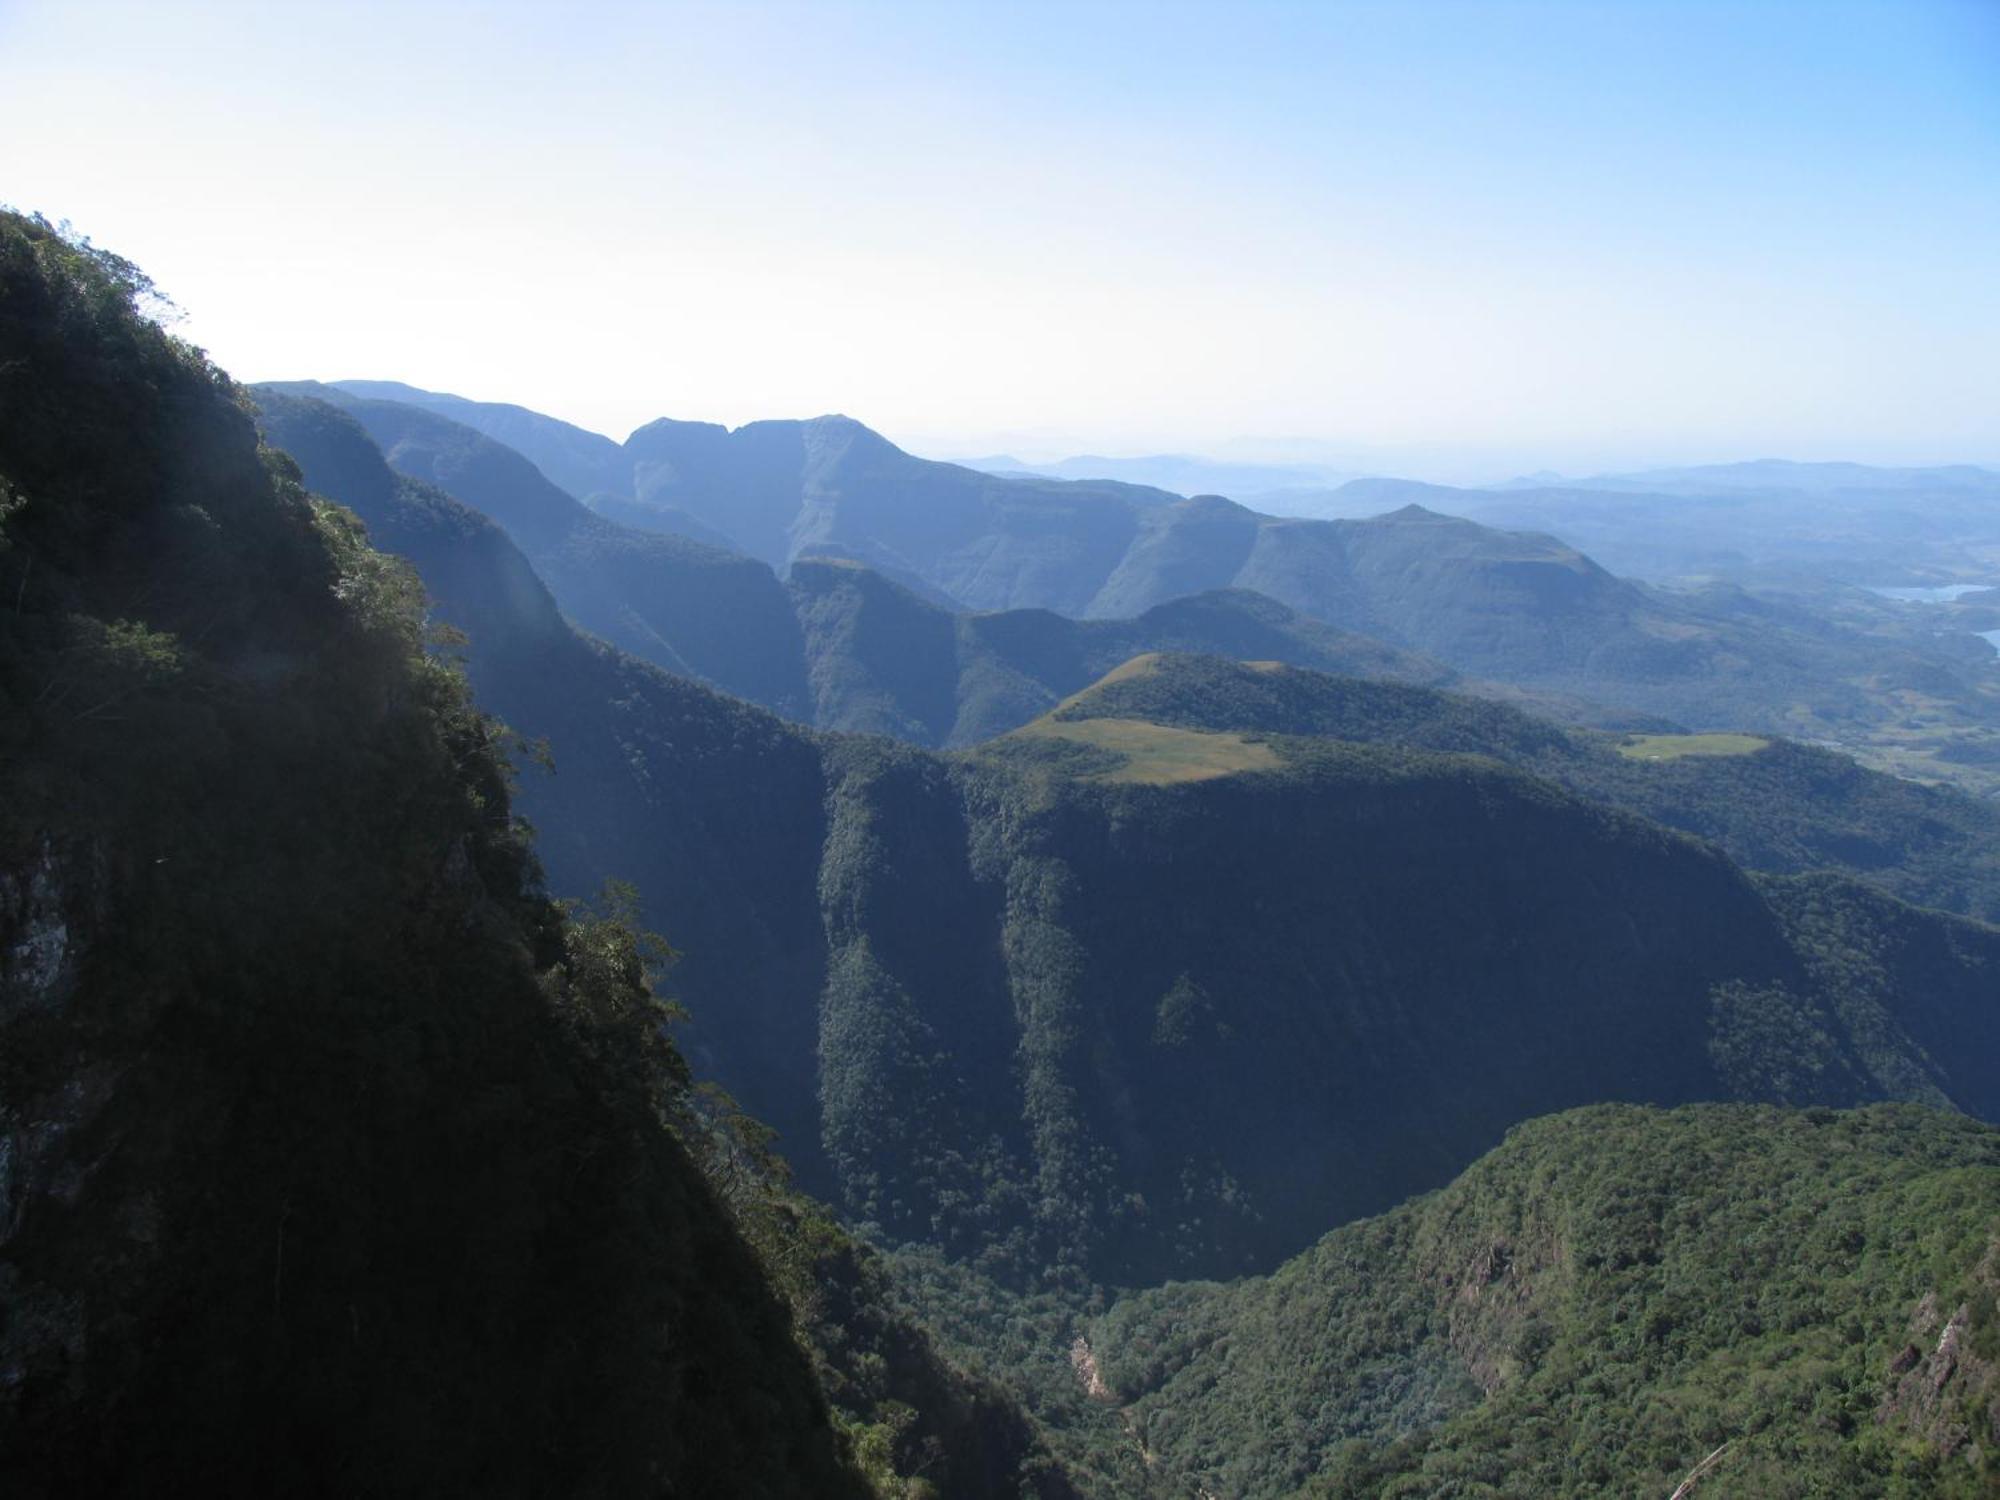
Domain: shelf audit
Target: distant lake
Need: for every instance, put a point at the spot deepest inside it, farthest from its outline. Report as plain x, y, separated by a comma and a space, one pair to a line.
1941, 595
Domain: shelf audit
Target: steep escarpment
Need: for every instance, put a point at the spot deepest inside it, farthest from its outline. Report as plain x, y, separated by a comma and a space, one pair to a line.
1235, 1002
587, 464
337, 1159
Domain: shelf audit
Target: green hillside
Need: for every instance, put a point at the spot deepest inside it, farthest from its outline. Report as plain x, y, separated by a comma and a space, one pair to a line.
1247, 1002
1602, 1304
1773, 805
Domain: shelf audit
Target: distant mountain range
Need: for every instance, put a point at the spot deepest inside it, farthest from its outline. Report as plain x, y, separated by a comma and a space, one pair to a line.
1774, 475
1518, 608
838, 645
1184, 474
1843, 523
876, 658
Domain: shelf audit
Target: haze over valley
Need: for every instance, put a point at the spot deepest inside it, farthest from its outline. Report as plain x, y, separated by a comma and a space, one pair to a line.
1271, 767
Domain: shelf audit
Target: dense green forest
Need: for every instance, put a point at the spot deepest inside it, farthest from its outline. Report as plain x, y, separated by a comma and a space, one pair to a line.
1601, 1304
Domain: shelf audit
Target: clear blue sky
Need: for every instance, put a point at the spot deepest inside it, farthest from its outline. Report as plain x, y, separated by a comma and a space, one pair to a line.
1570, 235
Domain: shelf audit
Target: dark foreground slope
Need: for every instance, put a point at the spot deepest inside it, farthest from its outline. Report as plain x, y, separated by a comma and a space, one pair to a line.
1606, 1301
335, 1160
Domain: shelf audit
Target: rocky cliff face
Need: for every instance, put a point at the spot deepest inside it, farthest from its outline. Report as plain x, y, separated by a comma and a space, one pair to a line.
49, 902
44, 912
1944, 1383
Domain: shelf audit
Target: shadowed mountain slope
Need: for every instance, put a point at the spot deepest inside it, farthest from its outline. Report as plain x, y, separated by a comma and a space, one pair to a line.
644, 761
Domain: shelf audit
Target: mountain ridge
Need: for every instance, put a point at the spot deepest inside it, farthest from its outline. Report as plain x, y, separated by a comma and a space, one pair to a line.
1515, 607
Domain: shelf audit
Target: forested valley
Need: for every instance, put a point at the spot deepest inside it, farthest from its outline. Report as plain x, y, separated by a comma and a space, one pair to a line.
745, 962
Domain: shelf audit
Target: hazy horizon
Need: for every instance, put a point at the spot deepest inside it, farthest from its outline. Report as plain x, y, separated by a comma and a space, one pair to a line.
1435, 240
1439, 463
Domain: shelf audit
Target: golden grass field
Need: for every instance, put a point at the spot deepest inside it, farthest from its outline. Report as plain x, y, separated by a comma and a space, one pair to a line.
1156, 755
1678, 746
